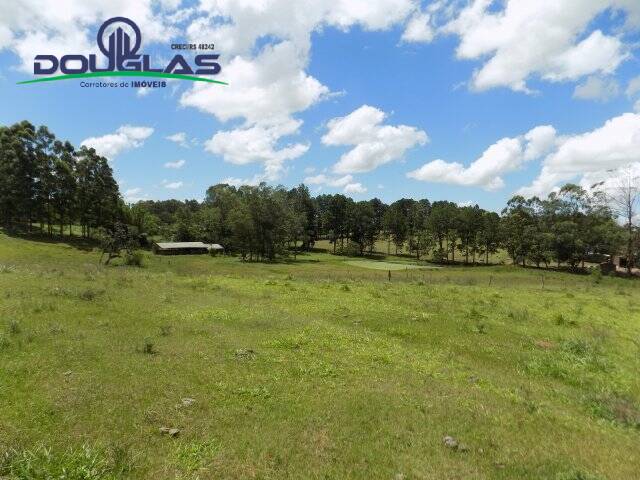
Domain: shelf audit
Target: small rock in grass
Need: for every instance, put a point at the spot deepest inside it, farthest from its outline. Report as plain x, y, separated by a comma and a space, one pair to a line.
187, 402
172, 432
67, 373
453, 444
245, 353
450, 442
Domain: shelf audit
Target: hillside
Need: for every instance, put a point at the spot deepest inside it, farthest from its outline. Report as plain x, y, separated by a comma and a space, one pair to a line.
313, 368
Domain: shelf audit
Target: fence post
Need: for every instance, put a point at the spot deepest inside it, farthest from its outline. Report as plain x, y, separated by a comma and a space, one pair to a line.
389, 275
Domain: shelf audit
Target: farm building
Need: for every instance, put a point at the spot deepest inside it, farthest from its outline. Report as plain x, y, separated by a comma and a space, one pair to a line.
186, 248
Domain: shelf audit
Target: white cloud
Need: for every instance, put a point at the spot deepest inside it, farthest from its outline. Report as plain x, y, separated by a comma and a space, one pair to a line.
177, 164
265, 92
267, 89
633, 88
354, 188
270, 85
125, 138
134, 195
551, 40
346, 182
506, 155
30, 26
597, 88
608, 147
173, 185
180, 138
143, 91
419, 29
239, 24
323, 179
539, 141
374, 144
258, 143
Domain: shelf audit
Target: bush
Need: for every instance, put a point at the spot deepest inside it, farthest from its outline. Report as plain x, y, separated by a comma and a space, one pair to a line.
134, 259
148, 347
88, 294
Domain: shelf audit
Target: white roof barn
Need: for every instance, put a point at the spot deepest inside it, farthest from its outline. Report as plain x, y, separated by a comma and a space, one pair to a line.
186, 248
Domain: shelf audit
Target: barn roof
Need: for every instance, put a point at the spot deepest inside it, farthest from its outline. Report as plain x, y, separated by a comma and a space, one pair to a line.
179, 245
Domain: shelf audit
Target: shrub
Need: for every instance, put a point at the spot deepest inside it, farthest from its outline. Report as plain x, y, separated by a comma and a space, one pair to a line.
148, 347
596, 275
88, 294
134, 259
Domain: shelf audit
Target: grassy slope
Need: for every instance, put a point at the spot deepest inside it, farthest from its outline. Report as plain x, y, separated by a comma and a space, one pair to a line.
352, 377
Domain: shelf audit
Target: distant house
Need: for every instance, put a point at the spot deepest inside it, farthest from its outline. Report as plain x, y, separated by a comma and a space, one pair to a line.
186, 248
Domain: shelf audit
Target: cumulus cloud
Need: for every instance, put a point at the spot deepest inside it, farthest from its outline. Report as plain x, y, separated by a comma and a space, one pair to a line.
258, 143
633, 88
266, 92
238, 25
176, 165
354, 188
268, 88
270, 85
506, 155
611, 146
32, 26
179, 138
374, 144
173, 185
127, 137
345, 182
559, 43
597, 88
133, 195
419, 29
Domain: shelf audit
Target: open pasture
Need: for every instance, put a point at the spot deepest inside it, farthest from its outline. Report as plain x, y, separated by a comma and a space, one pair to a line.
312, 368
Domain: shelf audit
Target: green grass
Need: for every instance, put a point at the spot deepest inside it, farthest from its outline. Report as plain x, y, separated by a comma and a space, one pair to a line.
383, 265
313, 368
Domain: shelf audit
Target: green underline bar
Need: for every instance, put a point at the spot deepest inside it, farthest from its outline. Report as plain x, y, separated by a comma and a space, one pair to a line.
175, 76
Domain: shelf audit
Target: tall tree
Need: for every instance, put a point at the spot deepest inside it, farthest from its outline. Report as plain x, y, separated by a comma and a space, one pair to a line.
624, 197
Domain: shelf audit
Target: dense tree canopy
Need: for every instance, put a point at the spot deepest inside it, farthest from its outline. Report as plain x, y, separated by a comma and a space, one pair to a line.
48, 182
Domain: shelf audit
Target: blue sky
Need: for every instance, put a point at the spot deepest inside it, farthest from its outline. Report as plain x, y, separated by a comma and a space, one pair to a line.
350, 98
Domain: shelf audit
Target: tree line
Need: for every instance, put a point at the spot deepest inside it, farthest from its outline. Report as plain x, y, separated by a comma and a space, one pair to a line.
569, 227
50, 185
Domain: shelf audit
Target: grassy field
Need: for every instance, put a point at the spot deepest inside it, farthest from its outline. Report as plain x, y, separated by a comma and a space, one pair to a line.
384, 265
312, 369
